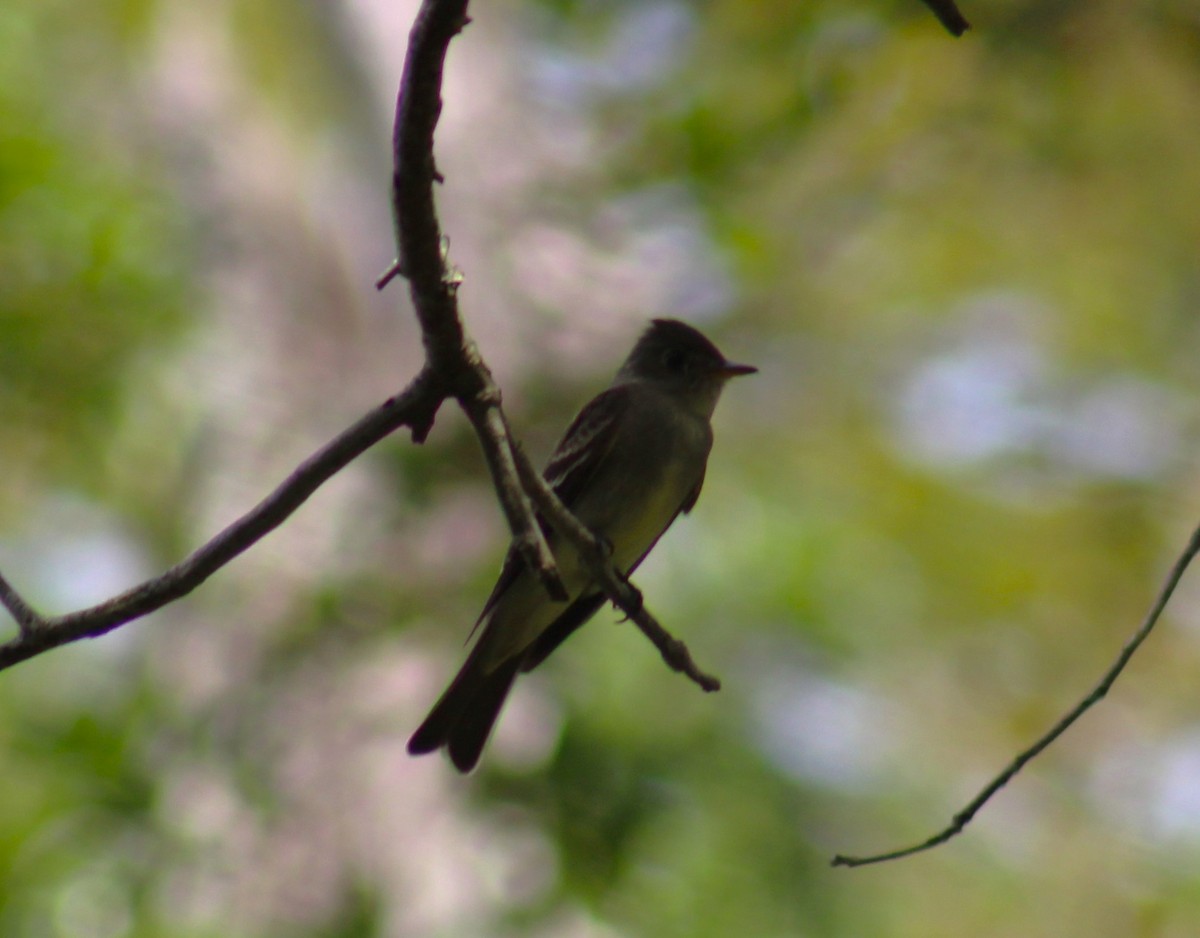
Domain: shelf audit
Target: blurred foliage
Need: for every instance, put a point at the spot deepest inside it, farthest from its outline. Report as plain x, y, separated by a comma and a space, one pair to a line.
303, 59
91, 234
968, 271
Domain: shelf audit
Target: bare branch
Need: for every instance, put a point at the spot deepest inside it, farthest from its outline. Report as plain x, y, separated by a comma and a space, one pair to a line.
433, 283
949, 16
964, 817
449, 370
27, 619
500, 451
596, 555
422, 255
414, 408
453, 369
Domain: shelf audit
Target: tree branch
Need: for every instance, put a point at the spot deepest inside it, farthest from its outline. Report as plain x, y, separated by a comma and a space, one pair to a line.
414, 408
964, 817
422, 250
949, 16
433, 285
597, 557
453, 368
27, 619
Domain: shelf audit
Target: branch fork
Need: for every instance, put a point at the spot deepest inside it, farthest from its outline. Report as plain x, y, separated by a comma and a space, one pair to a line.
453, 369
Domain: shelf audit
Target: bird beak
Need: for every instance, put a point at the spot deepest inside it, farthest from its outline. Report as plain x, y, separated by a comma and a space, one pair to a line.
733, 369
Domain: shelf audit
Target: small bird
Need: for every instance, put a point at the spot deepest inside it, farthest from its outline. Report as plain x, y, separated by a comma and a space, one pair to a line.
629, 463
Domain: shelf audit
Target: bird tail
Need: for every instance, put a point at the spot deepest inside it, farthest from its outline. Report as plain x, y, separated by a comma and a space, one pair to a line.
463, 717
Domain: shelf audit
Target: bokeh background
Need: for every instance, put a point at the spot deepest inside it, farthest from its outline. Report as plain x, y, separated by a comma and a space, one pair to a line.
970, 272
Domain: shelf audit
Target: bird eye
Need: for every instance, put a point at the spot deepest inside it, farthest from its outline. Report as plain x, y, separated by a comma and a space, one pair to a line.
673, 359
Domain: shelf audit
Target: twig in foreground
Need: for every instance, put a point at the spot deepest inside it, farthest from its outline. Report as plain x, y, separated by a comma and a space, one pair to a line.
964, 817
596, 555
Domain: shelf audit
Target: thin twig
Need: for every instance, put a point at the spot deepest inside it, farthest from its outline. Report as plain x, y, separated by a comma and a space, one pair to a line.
964, 817
500, 452
597, 557
949, 16
414, 408
28, 621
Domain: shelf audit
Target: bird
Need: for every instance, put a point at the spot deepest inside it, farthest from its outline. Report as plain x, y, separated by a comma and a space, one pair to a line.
631, 461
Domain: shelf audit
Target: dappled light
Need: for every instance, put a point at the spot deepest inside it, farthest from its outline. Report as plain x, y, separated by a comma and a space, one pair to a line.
967, 271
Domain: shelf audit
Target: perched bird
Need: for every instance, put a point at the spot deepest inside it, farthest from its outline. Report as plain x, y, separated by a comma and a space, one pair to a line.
630, 462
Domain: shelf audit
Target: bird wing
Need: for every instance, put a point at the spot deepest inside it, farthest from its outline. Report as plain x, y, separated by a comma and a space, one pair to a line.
587, 442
